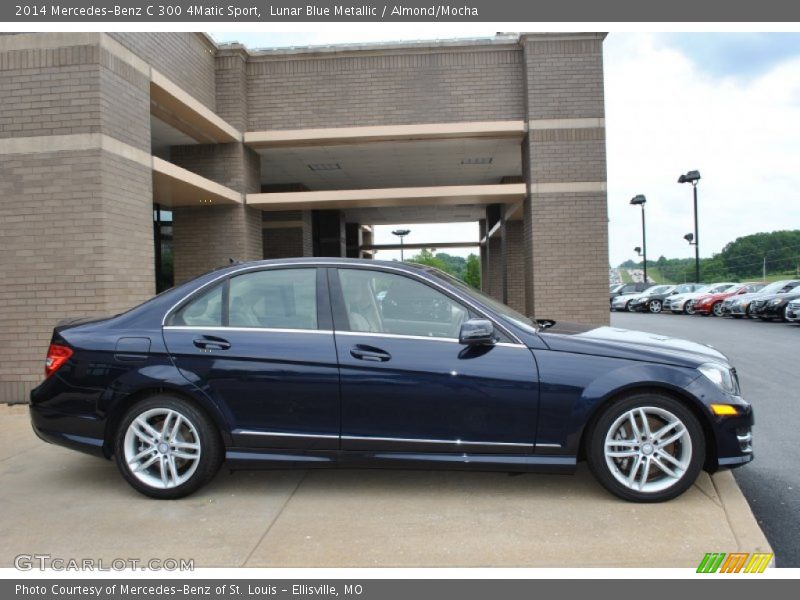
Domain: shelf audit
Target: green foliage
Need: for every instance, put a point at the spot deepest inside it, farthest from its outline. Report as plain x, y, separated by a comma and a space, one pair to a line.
467, 269
740, 260
472, 271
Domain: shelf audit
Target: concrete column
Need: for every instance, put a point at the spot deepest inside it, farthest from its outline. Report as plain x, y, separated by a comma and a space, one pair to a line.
564, 167
206, 237
287, 234
514, 254
76, 219
329, 233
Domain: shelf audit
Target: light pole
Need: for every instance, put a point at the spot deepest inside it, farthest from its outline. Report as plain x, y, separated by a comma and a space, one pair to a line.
401, 233
640, 200
693, 177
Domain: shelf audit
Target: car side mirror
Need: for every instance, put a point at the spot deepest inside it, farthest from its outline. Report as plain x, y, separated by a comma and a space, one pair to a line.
475, 332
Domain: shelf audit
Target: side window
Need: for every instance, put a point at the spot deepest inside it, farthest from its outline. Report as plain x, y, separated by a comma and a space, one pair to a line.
274, 299
379, 302
203, 311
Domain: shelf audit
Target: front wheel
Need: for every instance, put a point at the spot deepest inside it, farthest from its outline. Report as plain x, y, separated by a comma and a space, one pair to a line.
716, 310
689, 309
655, 306
166, 448
646, 447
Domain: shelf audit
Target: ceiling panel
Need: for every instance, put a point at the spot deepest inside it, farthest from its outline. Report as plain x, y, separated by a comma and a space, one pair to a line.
393, 164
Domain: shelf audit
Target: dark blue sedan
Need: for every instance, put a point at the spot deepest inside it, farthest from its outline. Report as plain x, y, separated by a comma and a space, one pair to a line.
353, 363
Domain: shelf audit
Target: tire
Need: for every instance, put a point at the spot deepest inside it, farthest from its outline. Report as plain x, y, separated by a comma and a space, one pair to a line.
650, 483
628, 306
655, 307
716, 310
173, 463
688, 308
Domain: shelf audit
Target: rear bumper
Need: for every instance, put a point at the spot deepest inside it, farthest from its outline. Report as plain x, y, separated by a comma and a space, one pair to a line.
76, 433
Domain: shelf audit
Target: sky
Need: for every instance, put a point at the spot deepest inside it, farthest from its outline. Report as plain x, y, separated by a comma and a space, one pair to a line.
726, 104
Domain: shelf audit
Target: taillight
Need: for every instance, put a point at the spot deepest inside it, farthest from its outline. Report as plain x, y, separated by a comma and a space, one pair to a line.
57, 355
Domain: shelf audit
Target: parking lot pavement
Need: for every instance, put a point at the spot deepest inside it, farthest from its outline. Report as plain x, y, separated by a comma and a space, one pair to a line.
70, 505
767, 357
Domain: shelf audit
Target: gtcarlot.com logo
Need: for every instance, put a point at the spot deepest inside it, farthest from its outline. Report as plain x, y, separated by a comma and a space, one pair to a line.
43, 562
735, 562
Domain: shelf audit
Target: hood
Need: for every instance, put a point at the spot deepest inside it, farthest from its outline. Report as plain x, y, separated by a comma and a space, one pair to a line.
688, 295
629, 344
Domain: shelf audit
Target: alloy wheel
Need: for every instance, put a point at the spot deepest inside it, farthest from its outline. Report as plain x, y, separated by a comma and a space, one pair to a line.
689, 308
655, 306
648, 449
717, 309
162, 448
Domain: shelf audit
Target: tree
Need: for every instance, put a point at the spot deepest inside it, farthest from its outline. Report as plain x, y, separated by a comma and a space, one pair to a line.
426, 257
472, 271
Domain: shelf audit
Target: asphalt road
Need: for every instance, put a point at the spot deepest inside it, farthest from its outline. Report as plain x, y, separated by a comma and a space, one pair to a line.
767, 357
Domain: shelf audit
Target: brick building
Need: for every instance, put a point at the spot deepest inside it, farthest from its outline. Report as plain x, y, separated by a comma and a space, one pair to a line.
286, 152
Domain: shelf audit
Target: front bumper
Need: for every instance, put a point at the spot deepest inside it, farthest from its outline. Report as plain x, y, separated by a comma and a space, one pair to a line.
793, 312
770, 311
732, 438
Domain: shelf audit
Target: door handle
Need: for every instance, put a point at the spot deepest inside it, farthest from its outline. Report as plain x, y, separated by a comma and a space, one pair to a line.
369, 353
211, 343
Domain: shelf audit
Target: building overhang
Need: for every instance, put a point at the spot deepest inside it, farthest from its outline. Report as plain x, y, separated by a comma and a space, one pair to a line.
179, 109
503, 193
176, 186
382, 133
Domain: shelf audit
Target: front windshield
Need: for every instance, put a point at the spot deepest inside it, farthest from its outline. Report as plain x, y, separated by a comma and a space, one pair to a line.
616, 287
721, 287
496, 306
774, 287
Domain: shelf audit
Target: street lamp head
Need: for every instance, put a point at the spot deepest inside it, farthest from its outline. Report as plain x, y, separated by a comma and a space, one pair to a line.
691, 177
401, 232
639, 200
689, 237
638, 250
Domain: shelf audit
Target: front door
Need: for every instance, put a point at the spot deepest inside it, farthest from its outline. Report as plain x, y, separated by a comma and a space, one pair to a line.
407, 385
260, 344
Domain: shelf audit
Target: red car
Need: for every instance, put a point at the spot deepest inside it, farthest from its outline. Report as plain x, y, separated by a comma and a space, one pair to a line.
711, 304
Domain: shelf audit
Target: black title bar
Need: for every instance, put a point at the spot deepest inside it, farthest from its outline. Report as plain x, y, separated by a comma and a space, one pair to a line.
274, 11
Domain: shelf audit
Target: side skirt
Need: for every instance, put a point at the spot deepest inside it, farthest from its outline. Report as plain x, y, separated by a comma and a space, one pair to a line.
246, 458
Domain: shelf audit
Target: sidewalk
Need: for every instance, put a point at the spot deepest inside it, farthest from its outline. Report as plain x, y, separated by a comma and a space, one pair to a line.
69, 505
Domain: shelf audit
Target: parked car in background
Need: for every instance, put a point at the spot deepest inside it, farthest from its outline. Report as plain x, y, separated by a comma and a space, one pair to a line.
739, 306
653, 300
793, 311
297, 362
628, 288
768, 308
622, 303
711, 303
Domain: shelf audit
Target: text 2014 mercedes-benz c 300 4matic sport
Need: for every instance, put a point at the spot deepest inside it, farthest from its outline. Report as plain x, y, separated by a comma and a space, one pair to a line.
309, 363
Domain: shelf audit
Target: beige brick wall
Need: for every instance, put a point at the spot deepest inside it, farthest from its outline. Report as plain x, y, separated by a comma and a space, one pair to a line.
515, 265
75, 224
185, 57
385, 88
565, 237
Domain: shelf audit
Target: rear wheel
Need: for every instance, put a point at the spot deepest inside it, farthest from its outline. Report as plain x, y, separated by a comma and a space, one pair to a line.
166, 448
646, 447
655, 306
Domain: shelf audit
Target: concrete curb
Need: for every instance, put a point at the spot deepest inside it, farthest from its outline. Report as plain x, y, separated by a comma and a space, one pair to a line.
741, 519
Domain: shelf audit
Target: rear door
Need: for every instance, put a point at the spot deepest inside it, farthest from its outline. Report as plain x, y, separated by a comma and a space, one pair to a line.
261, 345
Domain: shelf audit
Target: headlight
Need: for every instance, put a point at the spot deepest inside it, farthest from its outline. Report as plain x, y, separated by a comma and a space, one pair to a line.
777, 301
722, 376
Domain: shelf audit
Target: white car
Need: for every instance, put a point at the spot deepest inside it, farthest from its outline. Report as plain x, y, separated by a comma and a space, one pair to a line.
620, 303
683, 303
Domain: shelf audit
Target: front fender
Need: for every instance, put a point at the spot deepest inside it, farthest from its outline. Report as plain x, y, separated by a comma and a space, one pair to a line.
574, 386
637, 375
